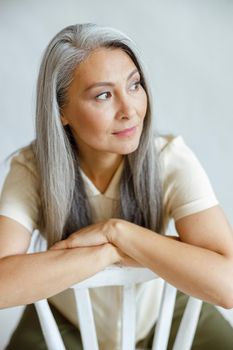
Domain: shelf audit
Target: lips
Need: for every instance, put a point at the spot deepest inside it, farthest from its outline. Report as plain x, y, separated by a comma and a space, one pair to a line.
125, 131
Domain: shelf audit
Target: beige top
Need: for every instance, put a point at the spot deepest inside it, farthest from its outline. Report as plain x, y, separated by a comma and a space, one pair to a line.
187, 190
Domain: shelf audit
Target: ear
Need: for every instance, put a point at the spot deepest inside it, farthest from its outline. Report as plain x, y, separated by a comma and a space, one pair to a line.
64, 120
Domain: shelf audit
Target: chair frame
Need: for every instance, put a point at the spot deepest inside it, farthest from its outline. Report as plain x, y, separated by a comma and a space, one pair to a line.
126, 277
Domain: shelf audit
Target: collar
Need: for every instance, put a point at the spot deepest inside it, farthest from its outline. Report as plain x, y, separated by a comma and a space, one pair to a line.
112, 190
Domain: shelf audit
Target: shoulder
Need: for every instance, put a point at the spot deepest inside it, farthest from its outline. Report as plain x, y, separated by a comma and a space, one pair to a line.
186, 186
176, 157
21, 171
20, 194
166, 144
24, 159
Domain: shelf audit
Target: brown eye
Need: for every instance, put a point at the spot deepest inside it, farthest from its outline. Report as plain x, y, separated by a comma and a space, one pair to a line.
135, 86
103, 96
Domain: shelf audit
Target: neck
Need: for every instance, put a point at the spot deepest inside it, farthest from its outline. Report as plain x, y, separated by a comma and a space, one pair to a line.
100, 168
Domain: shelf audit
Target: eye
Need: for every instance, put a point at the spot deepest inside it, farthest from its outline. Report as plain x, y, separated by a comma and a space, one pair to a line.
135, 86
103, 96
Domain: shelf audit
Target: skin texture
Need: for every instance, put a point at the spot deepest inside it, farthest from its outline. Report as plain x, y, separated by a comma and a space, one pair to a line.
199, 262
102, 101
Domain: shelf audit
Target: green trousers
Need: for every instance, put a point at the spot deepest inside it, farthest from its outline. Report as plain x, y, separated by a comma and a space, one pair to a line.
213, 331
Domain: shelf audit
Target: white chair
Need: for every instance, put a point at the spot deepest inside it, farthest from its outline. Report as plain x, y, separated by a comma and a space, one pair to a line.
127, 278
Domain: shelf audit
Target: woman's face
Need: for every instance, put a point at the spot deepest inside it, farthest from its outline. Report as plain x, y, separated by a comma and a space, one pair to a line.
106, 103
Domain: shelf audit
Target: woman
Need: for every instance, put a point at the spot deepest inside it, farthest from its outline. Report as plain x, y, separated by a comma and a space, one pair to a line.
101, 188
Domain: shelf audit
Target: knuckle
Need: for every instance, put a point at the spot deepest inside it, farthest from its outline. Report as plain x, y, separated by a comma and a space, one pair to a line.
71, 241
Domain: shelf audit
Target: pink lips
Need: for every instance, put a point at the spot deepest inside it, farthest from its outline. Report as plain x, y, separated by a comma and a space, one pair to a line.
125, 132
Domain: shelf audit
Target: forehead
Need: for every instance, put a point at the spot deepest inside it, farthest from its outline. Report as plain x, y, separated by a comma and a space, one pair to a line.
104, 64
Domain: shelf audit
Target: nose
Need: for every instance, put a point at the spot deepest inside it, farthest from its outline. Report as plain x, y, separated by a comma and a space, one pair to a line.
125, 108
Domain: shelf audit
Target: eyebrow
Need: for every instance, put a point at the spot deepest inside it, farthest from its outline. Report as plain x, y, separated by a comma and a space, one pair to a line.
107, 83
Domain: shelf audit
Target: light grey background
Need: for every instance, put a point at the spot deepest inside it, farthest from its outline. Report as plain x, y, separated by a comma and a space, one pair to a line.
188, 51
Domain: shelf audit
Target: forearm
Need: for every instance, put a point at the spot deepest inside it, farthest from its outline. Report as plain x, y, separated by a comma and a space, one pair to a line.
195, 271
29, 277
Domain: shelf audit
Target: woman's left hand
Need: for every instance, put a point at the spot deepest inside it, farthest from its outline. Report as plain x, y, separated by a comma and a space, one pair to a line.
92, 235
98, 234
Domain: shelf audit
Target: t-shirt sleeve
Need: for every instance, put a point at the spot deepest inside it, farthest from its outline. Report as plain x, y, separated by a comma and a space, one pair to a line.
187, 189
19, 198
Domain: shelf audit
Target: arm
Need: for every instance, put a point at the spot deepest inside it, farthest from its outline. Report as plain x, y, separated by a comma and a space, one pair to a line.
200, 264
25, 278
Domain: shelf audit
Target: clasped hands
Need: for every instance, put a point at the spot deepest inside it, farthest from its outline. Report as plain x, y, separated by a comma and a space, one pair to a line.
105, 232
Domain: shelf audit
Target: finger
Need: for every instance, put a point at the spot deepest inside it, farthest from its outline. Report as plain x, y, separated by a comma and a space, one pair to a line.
88, 238
60, 245
72, 242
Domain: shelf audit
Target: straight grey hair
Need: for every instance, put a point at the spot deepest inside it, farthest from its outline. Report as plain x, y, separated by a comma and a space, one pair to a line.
64, 203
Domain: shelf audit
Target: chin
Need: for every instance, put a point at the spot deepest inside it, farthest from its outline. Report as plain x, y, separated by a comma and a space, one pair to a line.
129, 148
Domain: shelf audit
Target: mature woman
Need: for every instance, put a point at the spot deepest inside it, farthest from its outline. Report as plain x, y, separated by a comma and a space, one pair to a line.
101, 188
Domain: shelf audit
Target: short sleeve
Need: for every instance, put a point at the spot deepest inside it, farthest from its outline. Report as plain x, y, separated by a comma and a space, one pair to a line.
187, 189
19, 197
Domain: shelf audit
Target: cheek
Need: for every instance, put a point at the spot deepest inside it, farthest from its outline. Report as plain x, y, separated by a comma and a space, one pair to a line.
143, 104
86, 118
88, 125
92, 124
98, 119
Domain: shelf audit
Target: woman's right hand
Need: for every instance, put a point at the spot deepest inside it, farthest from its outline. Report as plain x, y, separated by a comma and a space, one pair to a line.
120, 258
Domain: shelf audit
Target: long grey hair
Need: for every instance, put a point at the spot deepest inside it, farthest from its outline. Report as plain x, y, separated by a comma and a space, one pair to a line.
64, 204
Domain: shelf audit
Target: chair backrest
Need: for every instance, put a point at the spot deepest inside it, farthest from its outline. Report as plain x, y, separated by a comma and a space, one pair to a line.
127, 278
